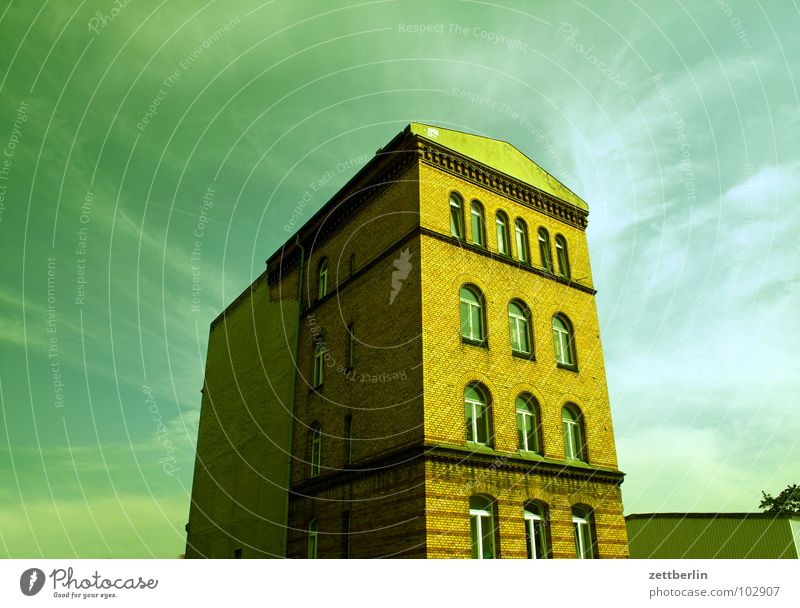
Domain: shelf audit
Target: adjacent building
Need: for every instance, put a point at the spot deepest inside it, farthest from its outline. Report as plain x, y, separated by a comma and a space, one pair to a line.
417, 373
713, 535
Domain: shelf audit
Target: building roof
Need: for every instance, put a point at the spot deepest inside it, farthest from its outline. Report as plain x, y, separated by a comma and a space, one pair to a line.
501, 156
711, 516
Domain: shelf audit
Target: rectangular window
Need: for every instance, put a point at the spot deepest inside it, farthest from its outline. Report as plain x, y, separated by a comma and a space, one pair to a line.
583, 538
482, 534
316, 451
345, 534
348, 437
237, 554
351, 346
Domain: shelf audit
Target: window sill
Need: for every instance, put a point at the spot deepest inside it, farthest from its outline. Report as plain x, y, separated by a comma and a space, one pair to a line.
480, 447
568, 367
520, 355
480, 343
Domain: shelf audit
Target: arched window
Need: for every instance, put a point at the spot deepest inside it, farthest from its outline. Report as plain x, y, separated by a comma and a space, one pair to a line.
535, 515
544, 250
562, 255
316, 449
481, 519
456, 216
323, 278
477, 414
519, 327
478, 224
583, 530
313, 531
528, 428
574, 442
472, 319
503, 240
318, 376
564, 341
523, 249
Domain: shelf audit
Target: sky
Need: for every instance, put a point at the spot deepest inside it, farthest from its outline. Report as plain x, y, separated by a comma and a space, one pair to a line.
151, 155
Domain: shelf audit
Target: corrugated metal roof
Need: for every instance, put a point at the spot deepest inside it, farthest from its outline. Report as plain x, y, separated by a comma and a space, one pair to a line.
711, 535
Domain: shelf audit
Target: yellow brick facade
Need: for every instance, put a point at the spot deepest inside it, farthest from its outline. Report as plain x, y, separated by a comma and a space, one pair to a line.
404, 479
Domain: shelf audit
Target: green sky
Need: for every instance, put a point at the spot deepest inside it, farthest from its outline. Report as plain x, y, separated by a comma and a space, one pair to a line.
677, 122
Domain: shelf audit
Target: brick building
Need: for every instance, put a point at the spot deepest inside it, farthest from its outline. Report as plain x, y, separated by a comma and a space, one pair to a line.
417, 373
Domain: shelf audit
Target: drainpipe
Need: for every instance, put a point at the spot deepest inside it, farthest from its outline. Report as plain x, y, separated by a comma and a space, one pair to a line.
294, 389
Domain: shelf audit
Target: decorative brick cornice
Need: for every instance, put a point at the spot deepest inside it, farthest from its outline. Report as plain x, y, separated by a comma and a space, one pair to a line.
471, 170
457, 456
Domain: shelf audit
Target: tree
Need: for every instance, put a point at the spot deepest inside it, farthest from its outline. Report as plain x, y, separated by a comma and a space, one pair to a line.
787, 502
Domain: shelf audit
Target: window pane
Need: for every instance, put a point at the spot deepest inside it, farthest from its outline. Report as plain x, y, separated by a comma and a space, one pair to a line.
487, 529
521, 435
482, 424
476, 549
468, 413
502, 233
476, 322
477, 224
456, 228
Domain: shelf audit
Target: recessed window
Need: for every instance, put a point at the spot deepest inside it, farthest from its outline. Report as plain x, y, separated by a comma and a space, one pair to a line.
316, 449
351, 346
352, 264
519, 327
544, 250
313, 533
523, 249
472, 316
562, 256
477, 412
572, 423
481, 518
456, 216
582, 530
535, 515
237, 554
348, 439
563, 341
318, 376
323, 278
528, 423
478, 224
503, 239
345, 534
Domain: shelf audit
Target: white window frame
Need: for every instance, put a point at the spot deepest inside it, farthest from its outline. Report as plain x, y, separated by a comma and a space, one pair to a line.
530, 419
503, 242
530, 525
477, 517
472, 308
573, 439
478, 236
562, 338
456, 206
521, 232
583, 534
474, 407
520, 332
